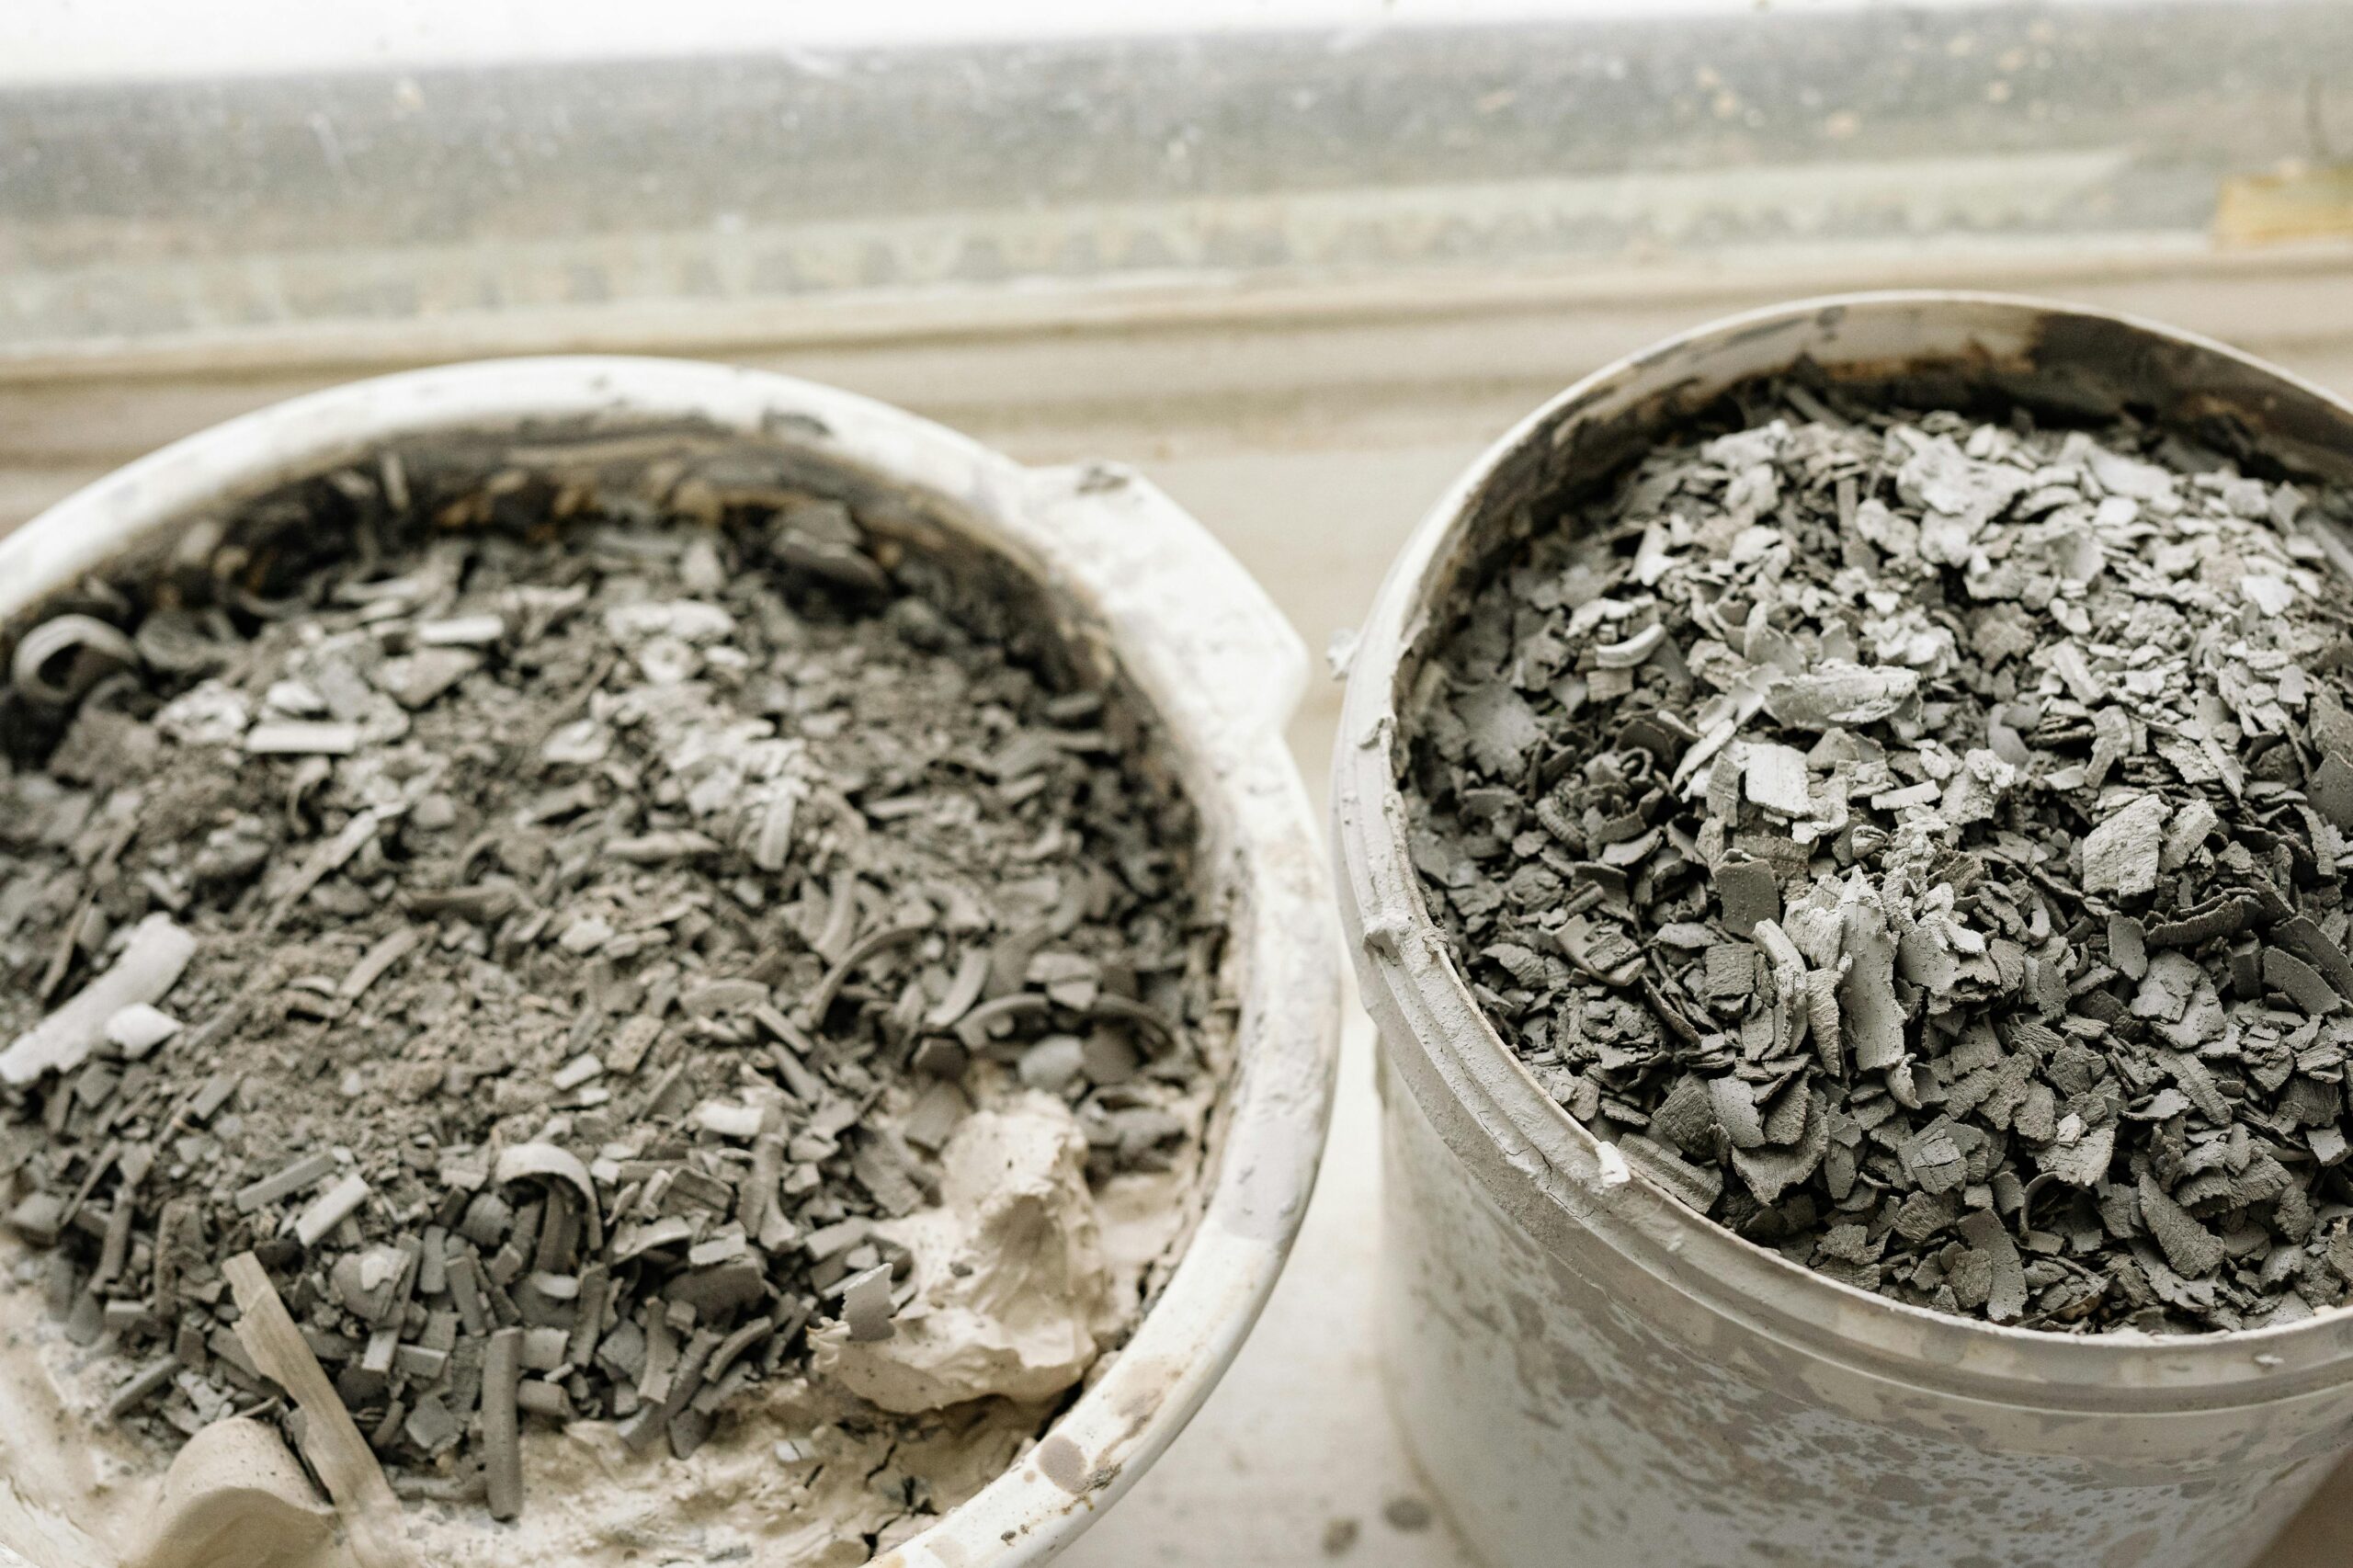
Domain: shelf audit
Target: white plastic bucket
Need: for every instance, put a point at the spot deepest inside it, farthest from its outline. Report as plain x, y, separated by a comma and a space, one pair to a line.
1589, 1373
1136, 584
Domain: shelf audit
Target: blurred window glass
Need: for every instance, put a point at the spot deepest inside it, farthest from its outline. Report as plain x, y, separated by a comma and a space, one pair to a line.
176, 174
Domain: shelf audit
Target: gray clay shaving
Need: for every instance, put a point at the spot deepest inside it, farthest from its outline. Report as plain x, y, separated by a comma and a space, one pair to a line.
555, 935
1918, 844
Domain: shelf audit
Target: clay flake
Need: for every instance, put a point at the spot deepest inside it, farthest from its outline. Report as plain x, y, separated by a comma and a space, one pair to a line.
515, 983
1918, 844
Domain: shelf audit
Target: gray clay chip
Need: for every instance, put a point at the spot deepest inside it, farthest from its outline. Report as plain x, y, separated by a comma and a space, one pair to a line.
1918, 840
547, 923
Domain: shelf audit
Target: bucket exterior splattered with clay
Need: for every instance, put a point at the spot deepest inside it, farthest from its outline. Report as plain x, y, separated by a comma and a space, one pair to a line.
1136, 584
1590, 1373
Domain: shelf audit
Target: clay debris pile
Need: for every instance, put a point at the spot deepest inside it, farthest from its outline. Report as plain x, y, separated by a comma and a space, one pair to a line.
562, 941
1918, 844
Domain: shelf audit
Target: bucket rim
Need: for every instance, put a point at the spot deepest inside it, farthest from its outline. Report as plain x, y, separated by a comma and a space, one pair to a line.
1215, 663
1527, 1152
